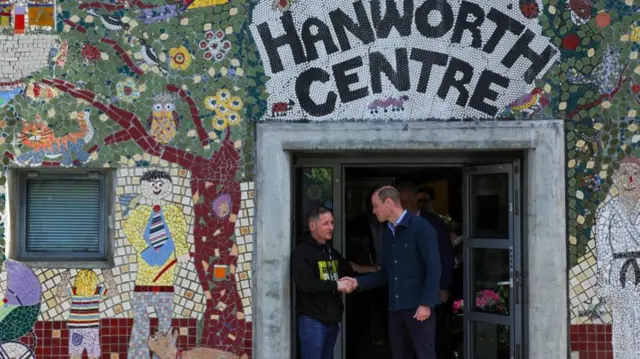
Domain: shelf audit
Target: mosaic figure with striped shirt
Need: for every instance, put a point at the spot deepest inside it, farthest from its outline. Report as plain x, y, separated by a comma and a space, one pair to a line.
84, 315
157, 230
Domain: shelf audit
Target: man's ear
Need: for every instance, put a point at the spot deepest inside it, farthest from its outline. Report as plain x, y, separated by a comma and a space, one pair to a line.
312, 225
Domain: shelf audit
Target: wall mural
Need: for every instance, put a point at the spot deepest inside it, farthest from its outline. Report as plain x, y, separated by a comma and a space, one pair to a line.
167, 92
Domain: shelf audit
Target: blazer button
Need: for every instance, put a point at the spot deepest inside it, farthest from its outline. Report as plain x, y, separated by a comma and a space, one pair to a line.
406, 245
396, 278
396, 296
395, 261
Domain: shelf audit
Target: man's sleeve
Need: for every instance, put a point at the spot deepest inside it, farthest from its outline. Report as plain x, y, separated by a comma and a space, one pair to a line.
375, 279
428, 246
305, 279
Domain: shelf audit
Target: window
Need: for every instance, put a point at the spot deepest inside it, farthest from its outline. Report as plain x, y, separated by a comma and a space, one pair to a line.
62, 216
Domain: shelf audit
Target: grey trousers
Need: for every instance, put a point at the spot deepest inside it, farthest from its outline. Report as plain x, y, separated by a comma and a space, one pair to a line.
163, 305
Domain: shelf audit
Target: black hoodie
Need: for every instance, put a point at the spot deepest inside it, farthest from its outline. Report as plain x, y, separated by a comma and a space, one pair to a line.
316, 286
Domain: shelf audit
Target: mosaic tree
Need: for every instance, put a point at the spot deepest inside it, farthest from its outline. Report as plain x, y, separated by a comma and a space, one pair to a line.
121, 61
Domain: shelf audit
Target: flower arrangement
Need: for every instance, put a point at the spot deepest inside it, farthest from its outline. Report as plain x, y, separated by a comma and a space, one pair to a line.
486, 301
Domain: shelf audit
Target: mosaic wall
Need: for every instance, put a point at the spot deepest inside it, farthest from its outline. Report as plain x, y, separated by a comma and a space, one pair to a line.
166, 93
163, 93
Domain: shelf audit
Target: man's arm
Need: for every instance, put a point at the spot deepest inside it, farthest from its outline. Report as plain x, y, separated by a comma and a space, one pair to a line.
428, 246
375, 279
363, 268
305, 279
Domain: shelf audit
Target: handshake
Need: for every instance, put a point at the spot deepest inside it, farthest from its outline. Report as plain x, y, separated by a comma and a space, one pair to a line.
347, 285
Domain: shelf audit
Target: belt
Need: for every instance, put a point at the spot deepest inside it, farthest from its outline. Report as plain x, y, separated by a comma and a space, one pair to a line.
630, 262
154, 288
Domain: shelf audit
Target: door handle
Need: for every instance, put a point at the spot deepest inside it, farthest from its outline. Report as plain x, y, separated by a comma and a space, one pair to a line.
508, 282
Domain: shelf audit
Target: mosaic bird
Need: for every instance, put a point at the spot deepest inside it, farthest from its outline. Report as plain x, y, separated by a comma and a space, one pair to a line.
150, 56
111, 23
605, 75
164, 121
529, 104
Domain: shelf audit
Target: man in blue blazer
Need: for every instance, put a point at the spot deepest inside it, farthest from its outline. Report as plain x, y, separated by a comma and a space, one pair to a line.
411, 267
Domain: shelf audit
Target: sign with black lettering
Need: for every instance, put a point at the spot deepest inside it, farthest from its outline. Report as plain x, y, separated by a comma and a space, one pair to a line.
398, 59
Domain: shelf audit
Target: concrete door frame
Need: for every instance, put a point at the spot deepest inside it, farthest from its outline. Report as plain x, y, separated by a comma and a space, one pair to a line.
544, 227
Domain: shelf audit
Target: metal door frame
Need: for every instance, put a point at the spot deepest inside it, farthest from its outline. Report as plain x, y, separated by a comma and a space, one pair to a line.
514, 244
339, 164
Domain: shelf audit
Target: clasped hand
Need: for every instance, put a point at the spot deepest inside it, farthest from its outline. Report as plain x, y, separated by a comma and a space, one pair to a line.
347, 285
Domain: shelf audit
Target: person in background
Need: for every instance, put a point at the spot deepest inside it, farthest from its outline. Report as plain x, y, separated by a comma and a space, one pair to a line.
317, 268
411, 268
408, 196
425, 197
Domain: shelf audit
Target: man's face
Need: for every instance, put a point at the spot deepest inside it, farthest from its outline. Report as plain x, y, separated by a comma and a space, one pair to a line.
423, 201
626, 179
322, 228
156, 189
407, 199
381, 209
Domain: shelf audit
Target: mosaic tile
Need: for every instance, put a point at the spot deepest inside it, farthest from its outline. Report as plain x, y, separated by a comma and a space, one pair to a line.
138, 86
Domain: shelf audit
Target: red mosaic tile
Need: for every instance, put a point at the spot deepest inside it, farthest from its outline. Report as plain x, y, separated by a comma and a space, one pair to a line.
52, 337
592, 341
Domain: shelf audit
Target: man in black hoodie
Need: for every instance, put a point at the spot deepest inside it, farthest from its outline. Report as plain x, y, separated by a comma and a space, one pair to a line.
317, 271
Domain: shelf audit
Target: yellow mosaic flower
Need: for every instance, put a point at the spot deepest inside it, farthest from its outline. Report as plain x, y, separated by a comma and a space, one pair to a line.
180, 58
223, 95
220, 123
211, 102
233, 118
235, 103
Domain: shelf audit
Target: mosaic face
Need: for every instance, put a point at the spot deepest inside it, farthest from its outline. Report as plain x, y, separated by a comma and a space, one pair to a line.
156, 185
626, 179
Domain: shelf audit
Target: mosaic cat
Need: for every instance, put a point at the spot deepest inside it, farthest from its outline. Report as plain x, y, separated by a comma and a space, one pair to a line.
39, 137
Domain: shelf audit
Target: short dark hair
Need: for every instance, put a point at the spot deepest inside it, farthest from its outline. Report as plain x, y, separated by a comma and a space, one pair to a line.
428, 190
315, 213
154, 175
406, 186
388, 192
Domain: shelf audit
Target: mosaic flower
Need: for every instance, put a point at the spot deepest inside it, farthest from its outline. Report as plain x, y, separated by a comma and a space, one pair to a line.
214, 45
180, 58
219, 123
235, 104
233, 118
90, 52
592, 183
211, 102
222, 109
127, 90
223, 95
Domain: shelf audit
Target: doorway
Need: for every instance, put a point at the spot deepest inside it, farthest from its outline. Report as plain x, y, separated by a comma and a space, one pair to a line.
543, 212
477, 194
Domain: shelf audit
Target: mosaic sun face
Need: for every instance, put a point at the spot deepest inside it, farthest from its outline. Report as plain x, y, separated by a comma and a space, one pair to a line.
156, 189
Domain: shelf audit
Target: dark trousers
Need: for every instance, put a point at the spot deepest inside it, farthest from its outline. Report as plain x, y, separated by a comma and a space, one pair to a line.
409, 338
443, 331
316, 338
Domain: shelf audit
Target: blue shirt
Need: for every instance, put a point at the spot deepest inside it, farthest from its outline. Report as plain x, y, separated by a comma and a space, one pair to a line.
392, 227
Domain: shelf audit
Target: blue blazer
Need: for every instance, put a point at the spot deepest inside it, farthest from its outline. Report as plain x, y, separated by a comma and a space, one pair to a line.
410, 265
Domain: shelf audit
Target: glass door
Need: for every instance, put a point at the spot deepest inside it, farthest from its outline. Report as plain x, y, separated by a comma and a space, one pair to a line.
492, 281
314, 184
